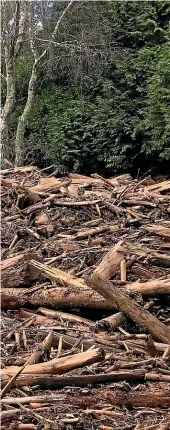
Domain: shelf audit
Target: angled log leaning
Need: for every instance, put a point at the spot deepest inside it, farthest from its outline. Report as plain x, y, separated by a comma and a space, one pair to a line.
130, 307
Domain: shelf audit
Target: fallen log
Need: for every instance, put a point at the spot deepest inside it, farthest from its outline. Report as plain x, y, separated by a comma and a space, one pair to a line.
110, 264
161, 187
53, 382
151, 398
48, 184
64, 316
58, 365
24, 169
11, 301
59, 276
15, 270
130, 307
150, 288
159, 230
112, 322
59, 297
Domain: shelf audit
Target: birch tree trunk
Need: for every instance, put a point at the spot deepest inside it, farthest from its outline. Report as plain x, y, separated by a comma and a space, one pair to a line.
19, 140
12, 42
9, 103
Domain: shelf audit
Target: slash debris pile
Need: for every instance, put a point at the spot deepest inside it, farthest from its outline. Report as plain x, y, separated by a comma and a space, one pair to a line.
85, 298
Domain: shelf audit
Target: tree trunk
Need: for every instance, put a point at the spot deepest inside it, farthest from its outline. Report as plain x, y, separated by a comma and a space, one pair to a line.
19, 140
9, 103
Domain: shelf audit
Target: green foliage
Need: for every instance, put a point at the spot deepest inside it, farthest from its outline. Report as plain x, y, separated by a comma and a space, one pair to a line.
103, 104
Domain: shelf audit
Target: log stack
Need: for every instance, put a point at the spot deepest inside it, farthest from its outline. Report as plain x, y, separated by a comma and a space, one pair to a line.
85, 297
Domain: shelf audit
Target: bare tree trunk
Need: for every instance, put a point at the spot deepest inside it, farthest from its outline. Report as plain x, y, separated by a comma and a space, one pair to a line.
9, 103
19, 140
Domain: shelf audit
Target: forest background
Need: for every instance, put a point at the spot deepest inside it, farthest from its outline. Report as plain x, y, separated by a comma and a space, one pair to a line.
88, 88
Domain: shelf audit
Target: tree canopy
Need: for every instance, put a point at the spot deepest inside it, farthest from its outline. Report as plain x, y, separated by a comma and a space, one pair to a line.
102, 95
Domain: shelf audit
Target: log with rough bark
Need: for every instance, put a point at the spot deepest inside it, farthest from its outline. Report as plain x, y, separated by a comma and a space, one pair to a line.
112, 322
59, 297
58, 365
110, 264
15, 270
11, 301
115, 296
159, 230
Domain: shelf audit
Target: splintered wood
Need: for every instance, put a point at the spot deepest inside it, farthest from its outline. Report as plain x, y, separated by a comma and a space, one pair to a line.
85, 275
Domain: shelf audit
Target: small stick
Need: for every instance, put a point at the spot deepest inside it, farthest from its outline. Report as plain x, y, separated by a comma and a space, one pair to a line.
166, 354
123, 270
60, 345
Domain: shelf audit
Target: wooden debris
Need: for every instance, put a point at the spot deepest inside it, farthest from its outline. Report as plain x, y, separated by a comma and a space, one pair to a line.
130, 307
15, 271
55, 233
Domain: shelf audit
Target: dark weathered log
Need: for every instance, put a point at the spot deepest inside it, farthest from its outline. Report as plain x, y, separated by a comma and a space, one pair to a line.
150, 398
130, 307
112, 322
52, 382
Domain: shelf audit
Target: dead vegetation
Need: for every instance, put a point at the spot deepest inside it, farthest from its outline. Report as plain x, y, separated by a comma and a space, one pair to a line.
85, 299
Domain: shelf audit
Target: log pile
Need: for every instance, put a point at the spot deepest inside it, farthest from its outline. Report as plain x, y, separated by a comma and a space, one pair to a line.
85, 298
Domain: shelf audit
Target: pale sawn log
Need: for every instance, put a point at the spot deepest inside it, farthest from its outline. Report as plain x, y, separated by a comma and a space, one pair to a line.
58, 365
110, 263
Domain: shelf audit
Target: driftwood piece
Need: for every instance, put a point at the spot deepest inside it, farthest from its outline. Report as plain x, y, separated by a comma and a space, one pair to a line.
10, 415
58, 365
150, 288
64, 316
123, 270
15, 270
56, 275
130, 307
25, 169
153, 256
161, 187
110, 264
48, 184
11, 301
78, 203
